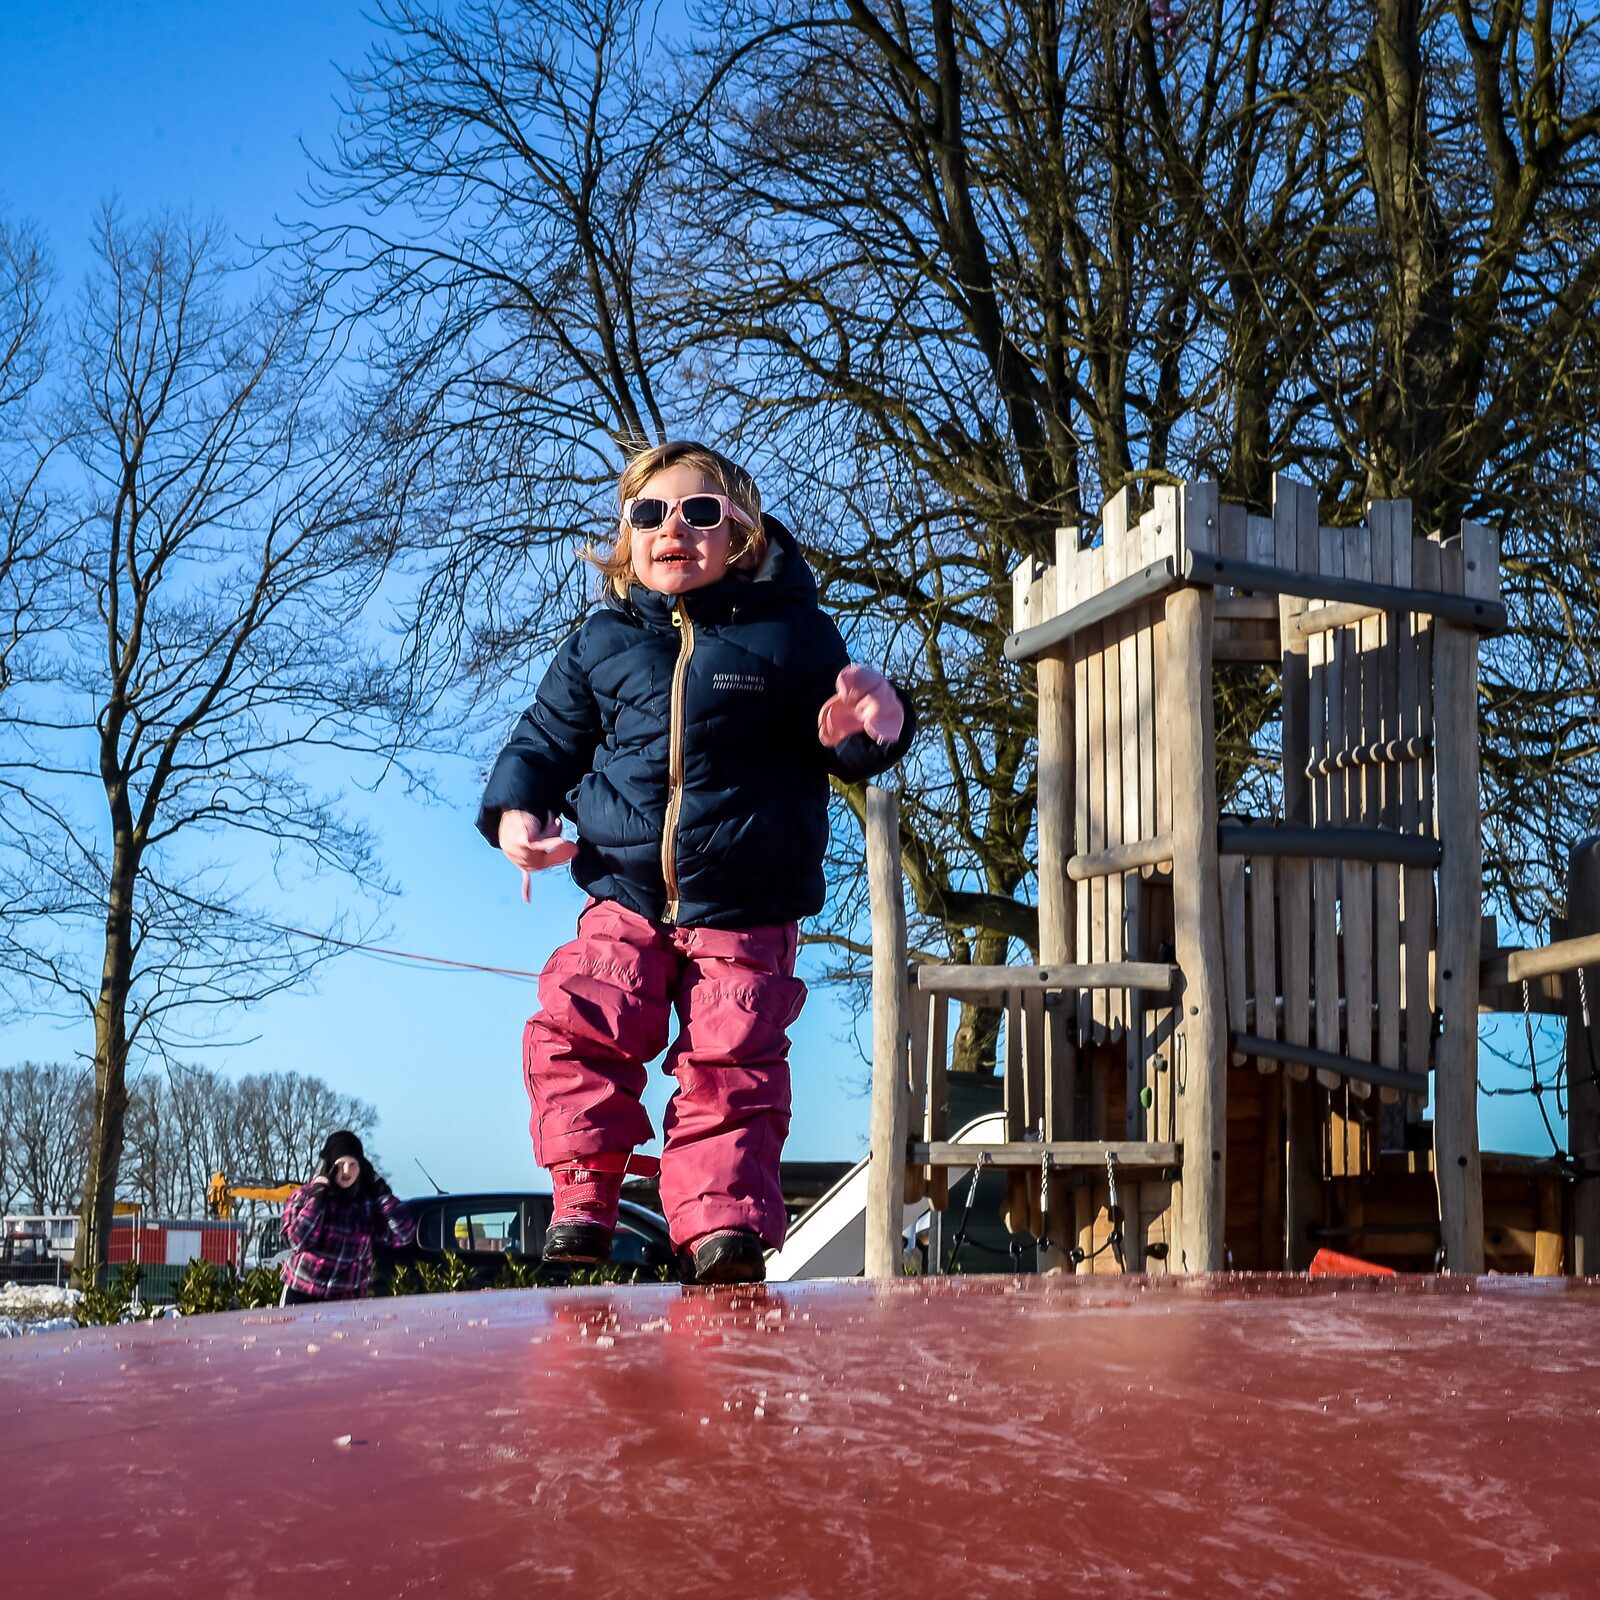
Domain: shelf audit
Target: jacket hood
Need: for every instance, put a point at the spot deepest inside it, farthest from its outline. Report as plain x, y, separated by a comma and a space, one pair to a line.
784, 577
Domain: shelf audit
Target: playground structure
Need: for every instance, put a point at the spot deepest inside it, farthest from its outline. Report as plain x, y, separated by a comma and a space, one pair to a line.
1225, 1051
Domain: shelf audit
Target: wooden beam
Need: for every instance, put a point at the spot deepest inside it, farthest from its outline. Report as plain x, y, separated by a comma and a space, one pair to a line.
1197, 906
1325, 618
1121, 596
1076, 1154
1547, 996
985, 983
1247, 608
1294, 517
1458, 821
1116, 860
890, 1033
1549, 1245
1469, 611
1057, 783
1565, 955
1583, 1060
1323, 843
1246, 1044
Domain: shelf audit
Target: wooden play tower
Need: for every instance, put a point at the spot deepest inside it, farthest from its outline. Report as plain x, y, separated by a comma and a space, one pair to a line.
1235, 1022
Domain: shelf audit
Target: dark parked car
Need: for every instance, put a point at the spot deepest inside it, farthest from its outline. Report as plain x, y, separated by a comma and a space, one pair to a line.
484, 1229
27, 1258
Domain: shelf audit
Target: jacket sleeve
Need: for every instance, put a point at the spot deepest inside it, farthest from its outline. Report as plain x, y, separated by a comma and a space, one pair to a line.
860, 756
303, 1216
401, 1227
550, 748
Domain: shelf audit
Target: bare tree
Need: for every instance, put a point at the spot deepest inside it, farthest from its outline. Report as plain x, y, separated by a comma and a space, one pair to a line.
188, 1122
282, 1118
44, 1124
24, 506
948, 275
507, 159
212, 644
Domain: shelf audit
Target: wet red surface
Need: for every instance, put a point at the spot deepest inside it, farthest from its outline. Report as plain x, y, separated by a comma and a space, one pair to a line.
960, 1437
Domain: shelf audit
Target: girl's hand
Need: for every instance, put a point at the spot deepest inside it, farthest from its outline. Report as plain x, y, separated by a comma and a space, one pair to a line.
533, 845
866, 702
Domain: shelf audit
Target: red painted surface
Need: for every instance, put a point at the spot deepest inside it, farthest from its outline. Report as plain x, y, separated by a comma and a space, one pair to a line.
1335, 1264
1250, 1436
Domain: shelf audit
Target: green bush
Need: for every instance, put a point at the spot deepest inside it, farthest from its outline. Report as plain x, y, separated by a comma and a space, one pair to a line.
106, 1304
401, 1281
586, 1277
260, 1286
206, 1287
451, 1275
519, 1272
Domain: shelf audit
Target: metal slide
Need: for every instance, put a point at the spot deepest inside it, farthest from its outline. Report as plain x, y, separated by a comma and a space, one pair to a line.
830, 1240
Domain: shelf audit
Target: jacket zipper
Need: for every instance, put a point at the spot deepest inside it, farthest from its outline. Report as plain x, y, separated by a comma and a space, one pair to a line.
669, 831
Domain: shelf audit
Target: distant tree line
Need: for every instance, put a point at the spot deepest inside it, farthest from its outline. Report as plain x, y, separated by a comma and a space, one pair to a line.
183, 1124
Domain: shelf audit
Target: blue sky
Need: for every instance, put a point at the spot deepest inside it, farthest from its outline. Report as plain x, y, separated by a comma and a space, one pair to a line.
203, 106
185, 105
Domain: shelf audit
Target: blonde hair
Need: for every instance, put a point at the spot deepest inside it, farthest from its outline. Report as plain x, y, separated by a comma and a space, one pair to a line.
747, 545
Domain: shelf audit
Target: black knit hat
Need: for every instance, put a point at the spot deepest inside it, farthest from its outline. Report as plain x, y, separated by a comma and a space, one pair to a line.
342, 1143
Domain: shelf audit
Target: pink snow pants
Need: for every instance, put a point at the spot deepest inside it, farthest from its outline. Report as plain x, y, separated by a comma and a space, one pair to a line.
607, 1000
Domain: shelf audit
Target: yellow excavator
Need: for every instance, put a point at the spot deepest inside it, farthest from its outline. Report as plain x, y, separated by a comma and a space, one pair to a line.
221, 1195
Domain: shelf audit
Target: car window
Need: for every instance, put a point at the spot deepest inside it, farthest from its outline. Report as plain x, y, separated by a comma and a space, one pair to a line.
472, 1229
430, 1235
628, 1246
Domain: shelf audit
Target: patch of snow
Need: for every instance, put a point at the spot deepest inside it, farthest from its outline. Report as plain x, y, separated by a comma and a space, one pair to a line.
37, 1308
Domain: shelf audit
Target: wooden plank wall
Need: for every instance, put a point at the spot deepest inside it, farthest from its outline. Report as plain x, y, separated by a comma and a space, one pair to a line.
1121, 756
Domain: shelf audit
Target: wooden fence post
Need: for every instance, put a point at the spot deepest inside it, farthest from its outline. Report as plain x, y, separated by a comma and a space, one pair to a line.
1302, 1135
1197, 901
1457, 1162
1057, 896
1583, 1059
890, 1123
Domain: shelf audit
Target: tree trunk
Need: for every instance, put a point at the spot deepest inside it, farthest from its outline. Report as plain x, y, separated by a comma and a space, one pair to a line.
976, 1043
1412, 390
110, 1107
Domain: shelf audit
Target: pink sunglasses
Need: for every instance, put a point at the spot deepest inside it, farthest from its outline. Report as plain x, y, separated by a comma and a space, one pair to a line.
647, 512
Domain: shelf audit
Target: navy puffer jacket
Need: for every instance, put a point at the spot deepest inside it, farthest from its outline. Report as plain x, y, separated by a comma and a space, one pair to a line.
749, 825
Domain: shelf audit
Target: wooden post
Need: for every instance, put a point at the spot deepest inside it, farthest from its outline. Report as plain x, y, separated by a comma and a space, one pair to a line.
1057, 783
1294, 515
1549, 1236
1583, 1059
1457, 1164
890, 1091
1197, 901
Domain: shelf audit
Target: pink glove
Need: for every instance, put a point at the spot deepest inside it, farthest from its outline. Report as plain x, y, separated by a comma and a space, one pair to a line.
533, 845
866, 702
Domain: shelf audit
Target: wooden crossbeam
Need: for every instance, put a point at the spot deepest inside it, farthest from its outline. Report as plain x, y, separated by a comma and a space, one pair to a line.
1247, 1044
974, 983
1368, 598
1128, 857
1565, 955
1325, 843
1064, 1153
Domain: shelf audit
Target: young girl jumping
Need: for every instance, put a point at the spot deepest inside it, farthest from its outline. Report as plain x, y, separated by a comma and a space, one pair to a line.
688, 728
